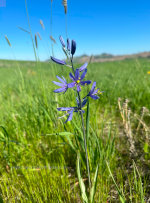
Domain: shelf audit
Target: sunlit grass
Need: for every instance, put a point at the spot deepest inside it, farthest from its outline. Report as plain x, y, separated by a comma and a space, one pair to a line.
37, 165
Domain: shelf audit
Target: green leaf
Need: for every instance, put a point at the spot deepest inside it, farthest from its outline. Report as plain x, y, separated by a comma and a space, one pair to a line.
122, 198
81, 183
146, 147
67, 136
93, 189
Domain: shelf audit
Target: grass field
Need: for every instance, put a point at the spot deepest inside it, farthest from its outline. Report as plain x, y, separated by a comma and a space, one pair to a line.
37, 162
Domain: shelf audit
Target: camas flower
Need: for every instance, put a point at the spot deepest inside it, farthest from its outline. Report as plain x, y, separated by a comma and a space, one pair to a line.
77, 79
70, 110
64, 85
58, 61
93, 93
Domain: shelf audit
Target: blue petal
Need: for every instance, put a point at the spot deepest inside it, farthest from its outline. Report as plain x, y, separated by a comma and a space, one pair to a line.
94, 97
92, 89
71, 77
68, 45
95, 91
60, 79
60, 90
64, 79
83, 67
73, 47
83, 74
85, 82
58, 61
58, 83
64, 108
71, 85
70, 116
78, 88
84, 102
77, 74
62, 41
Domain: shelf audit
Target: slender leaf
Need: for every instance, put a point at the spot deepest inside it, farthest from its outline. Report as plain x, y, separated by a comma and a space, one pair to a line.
122, 198
81, 183
93, 189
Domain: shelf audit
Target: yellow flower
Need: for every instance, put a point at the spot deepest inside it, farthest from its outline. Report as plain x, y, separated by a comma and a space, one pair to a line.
148, 72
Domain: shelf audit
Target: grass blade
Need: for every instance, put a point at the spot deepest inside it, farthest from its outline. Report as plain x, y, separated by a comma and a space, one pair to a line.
81, 183
93, 189
122, 198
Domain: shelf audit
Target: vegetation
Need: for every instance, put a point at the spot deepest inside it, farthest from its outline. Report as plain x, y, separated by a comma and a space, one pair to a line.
37, 161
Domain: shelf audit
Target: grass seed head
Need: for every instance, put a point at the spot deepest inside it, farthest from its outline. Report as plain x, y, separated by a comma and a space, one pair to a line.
42, 24
36, 43
7, 40
65, 5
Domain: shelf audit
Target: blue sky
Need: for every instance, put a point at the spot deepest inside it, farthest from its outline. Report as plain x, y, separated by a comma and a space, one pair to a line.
110, 26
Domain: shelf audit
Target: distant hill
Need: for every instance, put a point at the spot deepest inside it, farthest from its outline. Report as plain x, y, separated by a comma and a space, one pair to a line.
109, 57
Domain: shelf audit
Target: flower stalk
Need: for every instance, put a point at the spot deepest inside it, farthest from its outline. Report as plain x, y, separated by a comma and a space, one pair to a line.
83, 129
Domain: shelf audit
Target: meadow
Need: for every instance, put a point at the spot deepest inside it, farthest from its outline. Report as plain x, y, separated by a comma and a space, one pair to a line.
37, 161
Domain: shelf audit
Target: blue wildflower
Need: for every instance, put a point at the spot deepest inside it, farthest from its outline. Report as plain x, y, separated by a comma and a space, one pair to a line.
70, 110
93, 93
73, 47
77, 79
58, 61
64, 85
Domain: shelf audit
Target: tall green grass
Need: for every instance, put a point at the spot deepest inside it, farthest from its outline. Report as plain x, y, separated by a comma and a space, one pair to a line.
37, 161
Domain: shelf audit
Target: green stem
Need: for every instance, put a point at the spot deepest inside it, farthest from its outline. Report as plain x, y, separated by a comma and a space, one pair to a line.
83, 129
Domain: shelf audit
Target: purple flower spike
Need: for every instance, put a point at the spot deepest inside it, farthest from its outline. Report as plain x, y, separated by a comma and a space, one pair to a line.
77, 79
63, 85
68, 45
62, 41
94, 92
58, 61
73, 47
83, 67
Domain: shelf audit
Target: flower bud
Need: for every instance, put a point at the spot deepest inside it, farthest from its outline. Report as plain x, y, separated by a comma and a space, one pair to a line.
73, 47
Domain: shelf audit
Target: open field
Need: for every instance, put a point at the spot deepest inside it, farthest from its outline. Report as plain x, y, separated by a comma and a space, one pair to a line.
38, 165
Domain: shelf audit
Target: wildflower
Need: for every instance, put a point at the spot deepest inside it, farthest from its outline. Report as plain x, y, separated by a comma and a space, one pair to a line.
73, 47
64, 85
68, 45
77, 79
148, 72
70, 110
62, 41
58, 61
94, 92
83, 67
